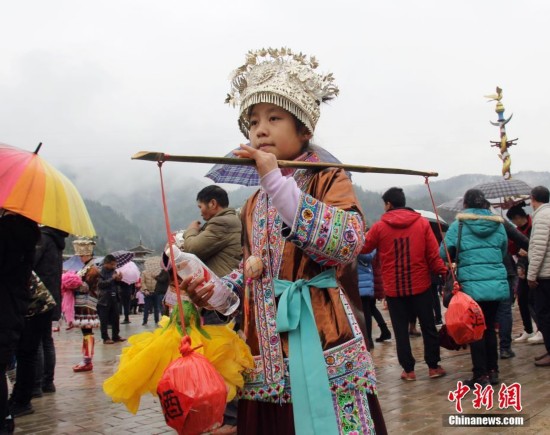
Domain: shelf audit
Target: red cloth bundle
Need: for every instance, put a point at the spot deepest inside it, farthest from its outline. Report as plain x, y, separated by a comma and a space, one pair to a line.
192, 393
464, 319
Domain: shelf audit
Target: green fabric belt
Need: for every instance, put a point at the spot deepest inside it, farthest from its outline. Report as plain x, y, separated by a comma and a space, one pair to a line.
311, 396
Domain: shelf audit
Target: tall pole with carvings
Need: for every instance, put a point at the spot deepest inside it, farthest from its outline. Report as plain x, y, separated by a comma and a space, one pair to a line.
503, 144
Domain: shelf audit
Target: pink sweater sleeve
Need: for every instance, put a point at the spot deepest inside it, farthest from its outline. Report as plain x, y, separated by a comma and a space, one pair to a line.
284, 193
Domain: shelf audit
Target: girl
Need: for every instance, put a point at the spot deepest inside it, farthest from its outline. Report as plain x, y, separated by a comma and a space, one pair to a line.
313, 373
140, 301
85, 305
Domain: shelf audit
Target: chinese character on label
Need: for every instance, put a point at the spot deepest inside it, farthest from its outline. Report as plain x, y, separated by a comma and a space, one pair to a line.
457, 395
171, 405
510, 396
483, 397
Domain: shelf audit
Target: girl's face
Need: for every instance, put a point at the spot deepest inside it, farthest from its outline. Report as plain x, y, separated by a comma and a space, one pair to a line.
273, 130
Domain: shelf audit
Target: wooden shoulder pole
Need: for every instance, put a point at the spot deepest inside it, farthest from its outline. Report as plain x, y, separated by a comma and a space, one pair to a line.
154, 156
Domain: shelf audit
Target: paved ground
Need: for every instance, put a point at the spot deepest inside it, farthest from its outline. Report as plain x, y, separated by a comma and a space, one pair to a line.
80, 407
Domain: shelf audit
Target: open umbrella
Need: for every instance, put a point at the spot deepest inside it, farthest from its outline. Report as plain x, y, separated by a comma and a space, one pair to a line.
122, 257
153, 265
33, 188
432, 219
504, 189
454, 205
248, 175
505, 193
501, 193
74, 264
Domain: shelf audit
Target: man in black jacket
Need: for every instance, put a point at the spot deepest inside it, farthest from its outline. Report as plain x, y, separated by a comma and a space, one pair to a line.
48, 265
107, 302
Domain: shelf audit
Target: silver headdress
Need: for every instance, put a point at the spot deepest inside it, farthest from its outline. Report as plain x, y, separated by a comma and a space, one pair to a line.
283, 78
83, 247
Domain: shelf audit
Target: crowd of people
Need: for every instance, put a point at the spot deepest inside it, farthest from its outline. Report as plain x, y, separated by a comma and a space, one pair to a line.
319, 259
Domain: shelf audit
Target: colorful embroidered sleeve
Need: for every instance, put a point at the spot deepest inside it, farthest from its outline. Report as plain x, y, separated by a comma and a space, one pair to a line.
328, 234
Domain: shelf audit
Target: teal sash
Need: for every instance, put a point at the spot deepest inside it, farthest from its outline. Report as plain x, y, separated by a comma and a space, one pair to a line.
311, 397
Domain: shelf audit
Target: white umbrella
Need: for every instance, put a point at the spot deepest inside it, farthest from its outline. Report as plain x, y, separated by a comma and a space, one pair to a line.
432, 218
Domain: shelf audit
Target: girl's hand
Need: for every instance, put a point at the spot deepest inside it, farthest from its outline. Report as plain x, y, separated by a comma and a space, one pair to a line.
199, 294
265, 162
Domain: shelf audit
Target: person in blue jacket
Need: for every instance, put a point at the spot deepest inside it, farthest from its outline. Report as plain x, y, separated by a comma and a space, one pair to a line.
367, 284
481, 274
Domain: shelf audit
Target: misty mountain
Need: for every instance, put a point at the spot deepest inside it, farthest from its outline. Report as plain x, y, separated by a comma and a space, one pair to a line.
114, 230
122, 220
143, 210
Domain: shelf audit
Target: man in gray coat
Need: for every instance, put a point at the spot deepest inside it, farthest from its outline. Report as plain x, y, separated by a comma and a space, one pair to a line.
538, 274
217, 242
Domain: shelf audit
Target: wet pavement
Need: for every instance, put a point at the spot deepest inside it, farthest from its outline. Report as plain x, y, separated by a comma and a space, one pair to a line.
80, 407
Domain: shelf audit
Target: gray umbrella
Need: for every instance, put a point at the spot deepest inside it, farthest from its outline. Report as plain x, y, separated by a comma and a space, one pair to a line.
501, 193
454, 205
504, 189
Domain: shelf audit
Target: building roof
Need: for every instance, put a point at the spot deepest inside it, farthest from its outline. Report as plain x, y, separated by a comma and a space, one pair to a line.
140, 249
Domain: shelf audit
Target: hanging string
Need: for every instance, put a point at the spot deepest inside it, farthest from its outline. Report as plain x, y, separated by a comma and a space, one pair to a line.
427, 182
172, 261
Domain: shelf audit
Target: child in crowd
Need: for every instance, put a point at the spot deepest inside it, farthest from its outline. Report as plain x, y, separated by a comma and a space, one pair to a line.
306, 228
140, 298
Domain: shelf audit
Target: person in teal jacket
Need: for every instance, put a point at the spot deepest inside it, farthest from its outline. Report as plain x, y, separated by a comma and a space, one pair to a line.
481, 274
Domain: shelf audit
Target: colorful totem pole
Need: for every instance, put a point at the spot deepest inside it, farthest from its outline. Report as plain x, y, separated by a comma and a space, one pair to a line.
504, 143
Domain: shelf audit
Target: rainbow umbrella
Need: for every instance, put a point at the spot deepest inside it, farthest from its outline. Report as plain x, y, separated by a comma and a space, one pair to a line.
33, 188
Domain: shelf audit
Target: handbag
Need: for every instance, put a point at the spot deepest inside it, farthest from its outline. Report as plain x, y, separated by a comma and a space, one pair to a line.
448, 287
448, 342
41, 298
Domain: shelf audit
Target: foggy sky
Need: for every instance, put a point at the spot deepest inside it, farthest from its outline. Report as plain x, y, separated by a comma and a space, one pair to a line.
99, 81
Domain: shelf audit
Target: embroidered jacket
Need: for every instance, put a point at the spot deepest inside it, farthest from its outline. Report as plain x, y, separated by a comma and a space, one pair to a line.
327, 232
